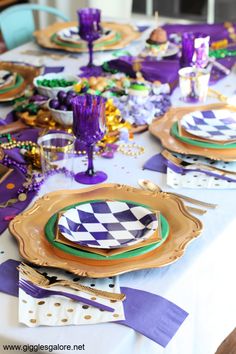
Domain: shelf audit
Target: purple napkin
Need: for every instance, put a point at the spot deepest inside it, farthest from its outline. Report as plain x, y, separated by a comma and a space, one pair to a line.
53, 69
17, 177
165, 71
156, 163
9, 277
152, 315
147, 313
11, 117
216, 31
142, 28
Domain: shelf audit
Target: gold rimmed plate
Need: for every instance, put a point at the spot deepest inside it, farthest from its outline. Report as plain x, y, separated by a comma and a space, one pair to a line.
48, 38
25, 74
161, 129
28, 229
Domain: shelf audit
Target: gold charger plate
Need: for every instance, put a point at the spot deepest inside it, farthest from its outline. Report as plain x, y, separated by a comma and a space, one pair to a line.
161, 129
28, 229
126, 31
28, 72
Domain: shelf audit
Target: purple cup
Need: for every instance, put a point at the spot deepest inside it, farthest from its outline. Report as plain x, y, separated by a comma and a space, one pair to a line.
89, 126
89, 28
195, 49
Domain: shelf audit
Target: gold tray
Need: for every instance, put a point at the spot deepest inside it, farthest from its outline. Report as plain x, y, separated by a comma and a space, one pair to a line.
28, 229
128, 34
27, 71
161, 129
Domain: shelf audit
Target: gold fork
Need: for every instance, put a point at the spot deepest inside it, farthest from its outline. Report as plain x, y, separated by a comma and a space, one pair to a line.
39, 279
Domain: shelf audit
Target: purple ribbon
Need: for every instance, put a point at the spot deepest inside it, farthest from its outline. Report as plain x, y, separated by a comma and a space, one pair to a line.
147, 313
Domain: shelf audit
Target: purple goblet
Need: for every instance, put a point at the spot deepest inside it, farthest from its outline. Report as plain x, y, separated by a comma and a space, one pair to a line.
89, 28
89, 125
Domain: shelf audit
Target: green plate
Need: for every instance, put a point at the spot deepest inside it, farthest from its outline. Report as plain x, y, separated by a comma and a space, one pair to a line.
19, 81
114, 40
50, 235
175, 132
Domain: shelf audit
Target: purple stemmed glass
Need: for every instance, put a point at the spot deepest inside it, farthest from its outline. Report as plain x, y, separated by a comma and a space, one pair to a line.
89, 125
89, 28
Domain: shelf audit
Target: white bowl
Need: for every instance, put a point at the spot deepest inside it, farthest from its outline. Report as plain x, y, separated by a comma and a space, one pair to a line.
52, 92
62, 117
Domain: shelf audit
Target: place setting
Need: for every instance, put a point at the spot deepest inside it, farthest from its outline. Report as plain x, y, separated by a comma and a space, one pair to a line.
200, 146
69, 37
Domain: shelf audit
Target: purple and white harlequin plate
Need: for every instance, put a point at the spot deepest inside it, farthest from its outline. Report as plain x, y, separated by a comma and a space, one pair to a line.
219, 125
107, 224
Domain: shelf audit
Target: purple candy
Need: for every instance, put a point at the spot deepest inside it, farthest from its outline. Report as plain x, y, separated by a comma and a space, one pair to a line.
71, 93
38, 98
68, 101
62, 107
61, 95
54, 103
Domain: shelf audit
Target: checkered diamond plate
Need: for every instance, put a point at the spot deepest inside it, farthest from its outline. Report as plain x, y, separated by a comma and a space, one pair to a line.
107, 224
219, 125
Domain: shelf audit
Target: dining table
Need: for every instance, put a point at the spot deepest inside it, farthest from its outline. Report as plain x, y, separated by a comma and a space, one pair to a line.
201, 282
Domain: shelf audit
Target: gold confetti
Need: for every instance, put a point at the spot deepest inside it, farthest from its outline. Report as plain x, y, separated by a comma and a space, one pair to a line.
70, 310
41, 302
33, 320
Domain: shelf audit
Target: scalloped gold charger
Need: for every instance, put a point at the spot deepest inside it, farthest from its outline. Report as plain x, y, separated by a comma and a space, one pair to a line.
126, 32
161, 129
28, 229
28, 73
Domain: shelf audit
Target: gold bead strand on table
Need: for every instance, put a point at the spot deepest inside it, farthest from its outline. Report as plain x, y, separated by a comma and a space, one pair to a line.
18, 144
131, 149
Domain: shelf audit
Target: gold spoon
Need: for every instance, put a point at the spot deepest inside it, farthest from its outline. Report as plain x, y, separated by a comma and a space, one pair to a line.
149, 185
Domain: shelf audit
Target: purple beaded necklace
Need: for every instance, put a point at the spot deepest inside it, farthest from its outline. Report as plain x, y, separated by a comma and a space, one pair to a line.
36, 179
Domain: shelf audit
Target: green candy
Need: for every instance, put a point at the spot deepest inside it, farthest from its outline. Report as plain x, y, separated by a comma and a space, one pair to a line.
52, 83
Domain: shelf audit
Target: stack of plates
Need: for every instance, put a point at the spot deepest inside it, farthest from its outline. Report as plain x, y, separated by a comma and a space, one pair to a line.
70, 37
65, 36
11, 85
213, 129
104, 230
107, 229
14, 78
209, 131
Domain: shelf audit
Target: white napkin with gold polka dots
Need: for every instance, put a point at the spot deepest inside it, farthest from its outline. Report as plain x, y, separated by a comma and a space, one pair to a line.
195, 179
60, 311
198, 179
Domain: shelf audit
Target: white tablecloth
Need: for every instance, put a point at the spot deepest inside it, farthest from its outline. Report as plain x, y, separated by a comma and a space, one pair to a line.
202, 282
